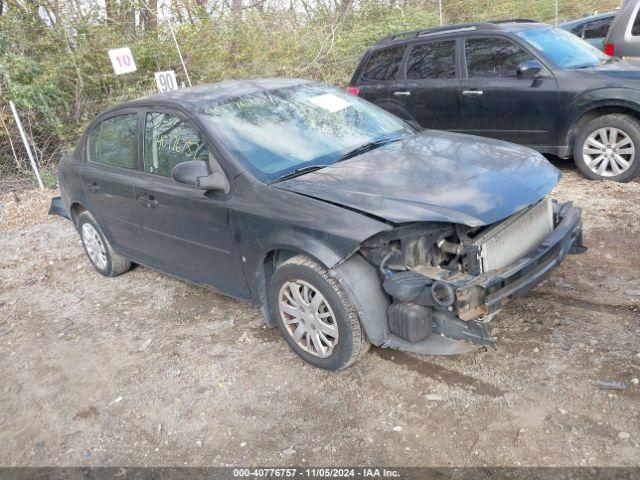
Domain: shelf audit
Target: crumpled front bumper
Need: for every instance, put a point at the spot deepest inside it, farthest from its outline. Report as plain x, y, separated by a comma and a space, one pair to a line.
488, 293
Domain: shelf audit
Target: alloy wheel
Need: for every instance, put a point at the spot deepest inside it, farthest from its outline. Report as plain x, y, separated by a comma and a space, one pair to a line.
308, 318
95, 248
608, 152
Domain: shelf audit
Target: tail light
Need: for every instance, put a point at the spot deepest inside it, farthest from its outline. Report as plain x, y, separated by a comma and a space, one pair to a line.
353, 90
609, 49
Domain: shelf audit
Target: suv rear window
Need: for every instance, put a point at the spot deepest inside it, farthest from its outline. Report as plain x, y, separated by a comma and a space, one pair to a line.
384, 64
432, 60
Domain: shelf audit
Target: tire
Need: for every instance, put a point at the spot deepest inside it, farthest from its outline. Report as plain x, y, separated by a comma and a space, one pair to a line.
338, 314
101, 255
587, 148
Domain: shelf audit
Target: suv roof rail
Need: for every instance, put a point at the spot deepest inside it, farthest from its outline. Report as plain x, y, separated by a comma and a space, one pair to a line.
514, 20
462, 27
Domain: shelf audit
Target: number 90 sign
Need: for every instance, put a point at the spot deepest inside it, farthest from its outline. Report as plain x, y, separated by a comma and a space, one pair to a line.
122, 60
166, 81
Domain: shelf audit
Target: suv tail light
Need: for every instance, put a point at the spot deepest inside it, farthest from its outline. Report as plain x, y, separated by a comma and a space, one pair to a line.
353, 90
609, 49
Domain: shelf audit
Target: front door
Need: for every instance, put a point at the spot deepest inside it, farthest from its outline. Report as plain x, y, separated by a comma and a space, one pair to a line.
108, 175
188, 232
496, 103
429, 88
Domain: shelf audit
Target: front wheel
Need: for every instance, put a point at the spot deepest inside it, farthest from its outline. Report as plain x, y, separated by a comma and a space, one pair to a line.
607, 147
315, 316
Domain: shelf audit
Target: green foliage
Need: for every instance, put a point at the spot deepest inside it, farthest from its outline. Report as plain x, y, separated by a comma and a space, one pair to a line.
60, 76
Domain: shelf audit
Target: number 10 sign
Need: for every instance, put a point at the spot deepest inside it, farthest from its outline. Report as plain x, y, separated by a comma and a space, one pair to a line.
122, 60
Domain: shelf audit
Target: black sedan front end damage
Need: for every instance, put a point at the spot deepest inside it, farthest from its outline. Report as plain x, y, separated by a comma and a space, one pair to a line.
449, 280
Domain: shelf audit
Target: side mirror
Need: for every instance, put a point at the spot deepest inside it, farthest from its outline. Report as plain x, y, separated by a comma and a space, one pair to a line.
196, 173
529, 69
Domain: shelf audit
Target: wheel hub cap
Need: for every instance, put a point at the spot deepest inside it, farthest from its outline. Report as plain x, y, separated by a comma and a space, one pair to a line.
308, 318
608, 152
95, 247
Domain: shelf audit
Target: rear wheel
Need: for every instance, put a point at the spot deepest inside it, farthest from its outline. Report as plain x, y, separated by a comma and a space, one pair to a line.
315, 316
102, 256
607, 147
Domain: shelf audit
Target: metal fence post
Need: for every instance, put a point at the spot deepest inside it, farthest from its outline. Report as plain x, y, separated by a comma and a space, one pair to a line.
440, 11
184, 67
26, 144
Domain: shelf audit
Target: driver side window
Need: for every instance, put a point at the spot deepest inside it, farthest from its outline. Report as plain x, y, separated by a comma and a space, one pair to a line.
493, 57
168, 141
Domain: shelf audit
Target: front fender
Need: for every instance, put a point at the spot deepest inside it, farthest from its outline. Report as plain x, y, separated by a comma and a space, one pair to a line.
622, 97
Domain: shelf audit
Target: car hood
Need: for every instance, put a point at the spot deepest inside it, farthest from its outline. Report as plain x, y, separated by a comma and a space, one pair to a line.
434, 176
627, 68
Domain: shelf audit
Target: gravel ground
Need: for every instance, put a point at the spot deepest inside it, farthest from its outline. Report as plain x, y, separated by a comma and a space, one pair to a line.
144, 369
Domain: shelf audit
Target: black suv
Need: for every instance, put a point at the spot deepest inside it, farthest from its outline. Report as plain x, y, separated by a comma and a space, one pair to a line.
520, 81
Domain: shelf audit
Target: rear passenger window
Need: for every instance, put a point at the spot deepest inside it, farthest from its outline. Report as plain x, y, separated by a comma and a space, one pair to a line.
115, 141
577, 30
493, 57
384, 64
597, 29
168, 141
432, 60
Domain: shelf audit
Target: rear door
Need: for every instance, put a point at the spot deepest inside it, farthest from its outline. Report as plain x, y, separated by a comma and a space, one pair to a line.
429, 85
496, 103
379, 75
108, 176
187, 232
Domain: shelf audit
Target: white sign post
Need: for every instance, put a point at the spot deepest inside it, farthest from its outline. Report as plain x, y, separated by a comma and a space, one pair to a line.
25, 141
166, 81
122, 60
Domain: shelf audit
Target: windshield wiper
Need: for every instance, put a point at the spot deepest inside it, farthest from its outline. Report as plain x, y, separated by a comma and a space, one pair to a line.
366, 148
297, 172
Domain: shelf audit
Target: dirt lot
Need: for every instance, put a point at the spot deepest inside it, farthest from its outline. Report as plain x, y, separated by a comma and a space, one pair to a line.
147, 370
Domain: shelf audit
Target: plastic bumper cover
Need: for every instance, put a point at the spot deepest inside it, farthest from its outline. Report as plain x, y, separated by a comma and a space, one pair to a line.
58, 208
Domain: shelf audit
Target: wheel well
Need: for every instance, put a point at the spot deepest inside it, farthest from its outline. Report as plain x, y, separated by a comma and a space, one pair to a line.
75, 210
271, 262
589, 115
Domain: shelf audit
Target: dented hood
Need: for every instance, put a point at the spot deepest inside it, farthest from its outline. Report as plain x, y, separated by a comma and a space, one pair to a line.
435, 176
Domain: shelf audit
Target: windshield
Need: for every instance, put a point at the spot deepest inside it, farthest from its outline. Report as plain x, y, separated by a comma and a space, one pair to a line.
276, 132
564, 49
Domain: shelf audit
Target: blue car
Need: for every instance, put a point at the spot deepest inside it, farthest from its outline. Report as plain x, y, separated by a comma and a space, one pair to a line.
592, 29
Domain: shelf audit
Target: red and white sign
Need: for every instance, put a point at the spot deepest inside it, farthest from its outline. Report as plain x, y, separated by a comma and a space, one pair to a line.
122, 60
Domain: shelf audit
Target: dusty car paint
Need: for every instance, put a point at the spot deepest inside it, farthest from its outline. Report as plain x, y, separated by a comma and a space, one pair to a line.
435, 176
348, 217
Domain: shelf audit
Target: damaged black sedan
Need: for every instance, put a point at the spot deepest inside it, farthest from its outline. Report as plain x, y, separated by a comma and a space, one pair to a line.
344, 224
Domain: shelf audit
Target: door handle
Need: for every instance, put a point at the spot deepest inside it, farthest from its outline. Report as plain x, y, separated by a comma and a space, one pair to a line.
93, 187
473, 93
148, 201
402, 94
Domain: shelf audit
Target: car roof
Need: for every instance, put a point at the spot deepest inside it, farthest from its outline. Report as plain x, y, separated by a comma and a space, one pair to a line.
512, 25
591, 18
193, 97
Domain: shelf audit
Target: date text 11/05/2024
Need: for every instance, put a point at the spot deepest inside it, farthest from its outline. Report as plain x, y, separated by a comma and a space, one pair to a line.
368, 472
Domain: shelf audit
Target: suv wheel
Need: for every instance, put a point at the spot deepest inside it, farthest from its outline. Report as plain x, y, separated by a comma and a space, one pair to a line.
314, 315
98, 249
607, 147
